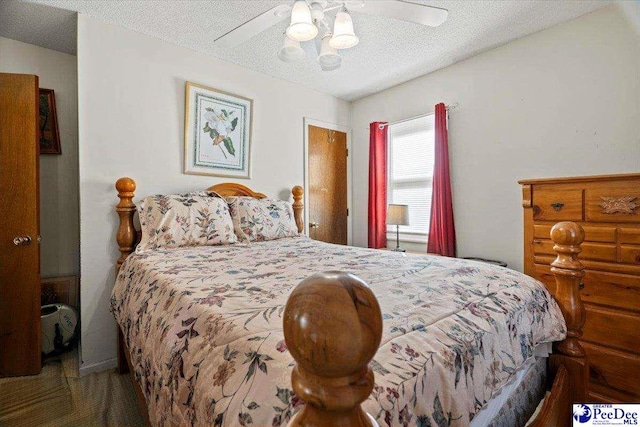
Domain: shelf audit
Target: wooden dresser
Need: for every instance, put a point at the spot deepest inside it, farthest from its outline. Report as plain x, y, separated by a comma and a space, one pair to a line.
608, 208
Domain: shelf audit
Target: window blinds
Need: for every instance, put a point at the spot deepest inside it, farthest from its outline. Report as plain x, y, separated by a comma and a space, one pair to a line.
411, 157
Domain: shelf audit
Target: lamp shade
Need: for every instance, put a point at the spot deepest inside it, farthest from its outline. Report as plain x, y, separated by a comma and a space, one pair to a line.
301, 28
290, 50
343, 35
328, 57
398, 214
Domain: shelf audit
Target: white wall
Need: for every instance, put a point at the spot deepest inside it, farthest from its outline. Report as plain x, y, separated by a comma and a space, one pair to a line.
562, 102
131, 120
59, 209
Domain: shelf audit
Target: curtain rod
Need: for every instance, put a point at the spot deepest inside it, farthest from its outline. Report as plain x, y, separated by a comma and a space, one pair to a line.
448, 107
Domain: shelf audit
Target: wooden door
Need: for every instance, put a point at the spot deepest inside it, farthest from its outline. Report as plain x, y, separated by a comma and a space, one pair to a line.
19, 230
328, 185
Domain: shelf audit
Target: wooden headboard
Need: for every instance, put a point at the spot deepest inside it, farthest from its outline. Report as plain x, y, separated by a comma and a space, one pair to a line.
127, 236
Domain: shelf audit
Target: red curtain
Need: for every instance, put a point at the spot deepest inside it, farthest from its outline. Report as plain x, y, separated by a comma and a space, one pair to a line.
377, 186
442, 232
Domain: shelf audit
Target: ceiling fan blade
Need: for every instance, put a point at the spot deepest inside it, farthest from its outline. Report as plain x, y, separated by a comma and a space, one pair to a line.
244, 32
404, 11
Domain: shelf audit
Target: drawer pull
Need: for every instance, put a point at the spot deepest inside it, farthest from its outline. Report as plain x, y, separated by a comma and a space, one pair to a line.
581, 286
557, 206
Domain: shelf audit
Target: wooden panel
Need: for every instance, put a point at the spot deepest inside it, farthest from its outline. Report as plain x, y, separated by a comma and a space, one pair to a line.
630, 254
629, 235
568, 180
592, 233
614, 290
555, 409
599, 393
616, 201
327, 185
619, 291
614, 369
617, 329
599, 234
19, 265
62, 290
557, 205
543, 274
529, 265
596, 251
594, 265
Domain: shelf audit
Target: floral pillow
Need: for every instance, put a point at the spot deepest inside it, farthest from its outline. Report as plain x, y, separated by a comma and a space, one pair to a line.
262, 219
190, 219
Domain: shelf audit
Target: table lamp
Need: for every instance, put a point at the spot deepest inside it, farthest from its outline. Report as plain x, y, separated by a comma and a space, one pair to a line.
398, 215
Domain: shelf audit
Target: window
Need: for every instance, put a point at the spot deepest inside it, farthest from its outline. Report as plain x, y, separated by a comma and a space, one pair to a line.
410, 173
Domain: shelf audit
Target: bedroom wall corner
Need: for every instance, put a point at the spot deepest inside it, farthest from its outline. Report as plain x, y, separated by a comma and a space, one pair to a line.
131, 102
561, 102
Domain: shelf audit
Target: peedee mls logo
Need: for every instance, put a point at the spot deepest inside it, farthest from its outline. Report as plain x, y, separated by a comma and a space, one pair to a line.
605, 415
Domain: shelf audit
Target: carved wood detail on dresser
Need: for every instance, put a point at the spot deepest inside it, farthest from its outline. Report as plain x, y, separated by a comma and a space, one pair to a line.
608, 209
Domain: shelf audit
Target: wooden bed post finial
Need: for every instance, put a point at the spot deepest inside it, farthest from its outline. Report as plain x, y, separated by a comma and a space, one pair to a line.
298, 192
569, 271
126, 236
332, 374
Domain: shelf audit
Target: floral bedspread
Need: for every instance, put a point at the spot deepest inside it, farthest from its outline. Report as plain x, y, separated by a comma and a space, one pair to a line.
204, 327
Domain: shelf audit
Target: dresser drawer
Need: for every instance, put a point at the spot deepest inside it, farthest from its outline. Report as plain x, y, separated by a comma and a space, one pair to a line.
599, 393
592, 233
614, 369
613, 202
557, 205
630, 254
629, 235
616, 329
595, 251
611, 289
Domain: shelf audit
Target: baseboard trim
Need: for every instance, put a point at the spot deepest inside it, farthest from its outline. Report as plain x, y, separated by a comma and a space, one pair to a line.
98, 367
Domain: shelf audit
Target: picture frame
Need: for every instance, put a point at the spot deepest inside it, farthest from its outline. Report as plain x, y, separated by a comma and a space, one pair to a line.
48, 126
62, 290
217, 132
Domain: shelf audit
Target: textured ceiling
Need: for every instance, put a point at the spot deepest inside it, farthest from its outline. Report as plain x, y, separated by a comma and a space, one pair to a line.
390, 51
39, 25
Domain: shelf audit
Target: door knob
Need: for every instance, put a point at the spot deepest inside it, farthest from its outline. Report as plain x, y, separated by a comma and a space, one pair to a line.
313, 225
22, 240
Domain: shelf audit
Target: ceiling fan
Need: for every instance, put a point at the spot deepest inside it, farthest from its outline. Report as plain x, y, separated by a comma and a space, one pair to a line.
313, 19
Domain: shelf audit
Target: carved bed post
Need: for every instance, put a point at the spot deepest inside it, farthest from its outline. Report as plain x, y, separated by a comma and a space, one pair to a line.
126, 236
569, 272
332, 351
126, 239
297, 192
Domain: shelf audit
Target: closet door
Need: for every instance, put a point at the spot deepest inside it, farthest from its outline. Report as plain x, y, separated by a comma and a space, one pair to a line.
19, 226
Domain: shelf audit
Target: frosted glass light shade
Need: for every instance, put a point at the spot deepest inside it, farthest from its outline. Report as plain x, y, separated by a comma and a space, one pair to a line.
328, 57
290, 50
301, 28
343, 35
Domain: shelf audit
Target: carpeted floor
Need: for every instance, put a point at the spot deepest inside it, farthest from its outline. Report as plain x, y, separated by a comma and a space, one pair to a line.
58, 397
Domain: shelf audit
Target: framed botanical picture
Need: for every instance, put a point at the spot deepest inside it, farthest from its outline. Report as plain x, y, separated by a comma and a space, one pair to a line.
49, 136
217, 133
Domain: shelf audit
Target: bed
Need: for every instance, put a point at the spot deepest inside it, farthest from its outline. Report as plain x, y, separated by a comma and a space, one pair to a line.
246, 334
